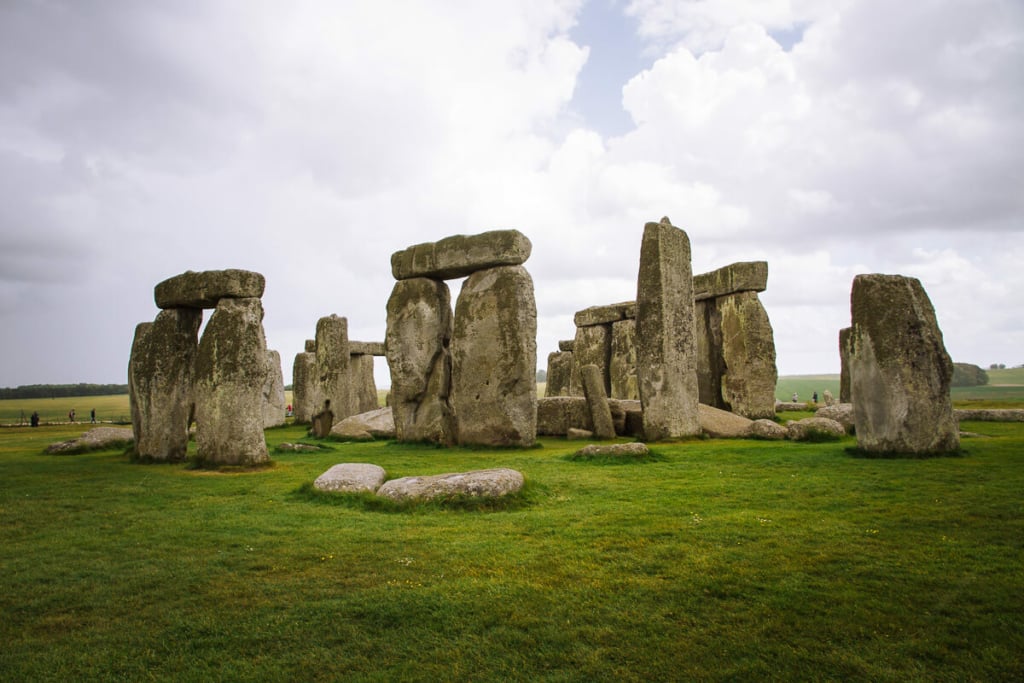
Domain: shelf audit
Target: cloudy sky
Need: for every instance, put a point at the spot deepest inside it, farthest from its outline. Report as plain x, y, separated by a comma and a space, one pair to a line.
308, 140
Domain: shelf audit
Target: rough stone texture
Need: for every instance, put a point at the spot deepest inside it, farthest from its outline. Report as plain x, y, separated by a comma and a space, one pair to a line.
666, 349
597, 402
989, 415
362, 384
593, 346
230, 370
748, 352
840, 412
356, 348
721, 424
298, 448
789, 406
900, 372
461, 255
332, 367
632, 417
624, 450
710, 364
559, 372
622, 361
845, 340
95, 439
768, 430
828, 398
599, 315
161, 384
419, 331
745, 276
305, 390
494, 359
206, 288
566, 345
351, 477
323, 422
274, 405
575, 434
310, 346
492, 483
379, 424
556, 415
810, 427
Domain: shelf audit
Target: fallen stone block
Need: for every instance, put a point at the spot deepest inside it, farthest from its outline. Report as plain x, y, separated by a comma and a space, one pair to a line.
351, 478
721, 424
100, 438
768, 430
814, 429
377, 424
491, 483
624, 450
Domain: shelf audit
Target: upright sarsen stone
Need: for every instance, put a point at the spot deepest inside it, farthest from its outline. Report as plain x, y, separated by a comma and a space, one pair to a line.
161, 384
419, 332
305, 389
230, 371
666, 349
332, 359
900, 373
748, 351
494, 359
844, 364
622, 361
362, 384
593, 346
274, 404
559, 372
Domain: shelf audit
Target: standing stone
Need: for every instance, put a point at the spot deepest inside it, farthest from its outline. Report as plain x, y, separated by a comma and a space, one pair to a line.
900, 373
363, 386
748, 350
622, 361
419, 331
274, 408
230, 371
593, 346
305, 393
666, 349
332, 359
845, 340
597, 402
161, 384
494, 359
559, 372
710, 364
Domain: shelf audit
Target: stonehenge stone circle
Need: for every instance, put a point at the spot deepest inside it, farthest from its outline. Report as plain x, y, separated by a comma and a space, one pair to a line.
204, 289
274, 403
559, 372
900, 372
305, 393
622, 361
748, 352
494, 359
666, 349
592, 347
461, 255
597, 402
230, 371
491, 483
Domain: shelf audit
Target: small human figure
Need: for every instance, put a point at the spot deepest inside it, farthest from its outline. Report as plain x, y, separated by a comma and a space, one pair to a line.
795, 398
288, 412
71, 415
814, 397
92, 414
34, 419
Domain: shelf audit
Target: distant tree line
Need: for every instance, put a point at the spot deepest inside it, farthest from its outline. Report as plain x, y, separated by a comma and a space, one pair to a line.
968, 375
63, 390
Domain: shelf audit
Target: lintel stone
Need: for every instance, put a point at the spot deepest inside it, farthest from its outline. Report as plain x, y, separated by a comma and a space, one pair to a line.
461, 255
204, 289
600, 315
745, 276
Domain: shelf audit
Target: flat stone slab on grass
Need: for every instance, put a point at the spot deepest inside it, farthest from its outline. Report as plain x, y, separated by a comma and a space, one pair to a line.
624, 450
768, 430
94, 440
722, 424
297, 448
811, 428
492, 483
204, 289
375, 424
989, 414
351, 477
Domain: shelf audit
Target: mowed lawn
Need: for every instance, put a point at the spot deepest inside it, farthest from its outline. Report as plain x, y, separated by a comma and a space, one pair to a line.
713, 560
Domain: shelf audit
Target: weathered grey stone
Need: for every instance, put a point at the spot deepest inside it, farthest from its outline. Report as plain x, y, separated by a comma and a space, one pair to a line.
98, 438
599, 315
789, 406
632, 417
710, 364
492, 483
494, 359
767, 429
900, 372
666, 349
811, 428
845, 346
623, 450
332, 366
989, 414
566, 345
721, 424
274, 405
161, 384
362, 384
559, 372
461, 255
378, 423
593, 347
323, 421
597, 402
556, 415
351, 477
310, 346
419, 331
575, 434
746, 276
748, 351
828, 398
841, 413
297, 448
230, 370
622, 361
366, 348
206, 288
305, 388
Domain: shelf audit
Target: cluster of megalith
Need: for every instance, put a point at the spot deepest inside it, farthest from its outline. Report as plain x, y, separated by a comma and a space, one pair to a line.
333, 378
709, 332
468, 376
227, 382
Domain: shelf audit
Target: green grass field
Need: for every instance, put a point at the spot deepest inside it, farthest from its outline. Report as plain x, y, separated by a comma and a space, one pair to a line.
716, 560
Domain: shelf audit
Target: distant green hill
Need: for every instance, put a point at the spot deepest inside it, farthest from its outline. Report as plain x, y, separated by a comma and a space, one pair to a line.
63, 390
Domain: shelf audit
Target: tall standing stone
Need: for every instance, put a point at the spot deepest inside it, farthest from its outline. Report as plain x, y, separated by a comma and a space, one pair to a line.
593, 346
419, 332
362, 384
666, 349
748, 350
305, 392
494, 359
332, 359
559, 371
230, 371
274, 408
900, 372
597, 402
161, 383
622, 361
845, 338
710, 364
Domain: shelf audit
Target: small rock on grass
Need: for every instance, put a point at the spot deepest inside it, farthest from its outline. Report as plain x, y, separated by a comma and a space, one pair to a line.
626, 450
